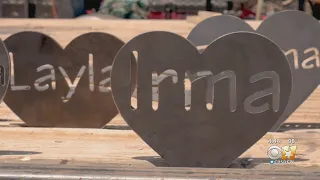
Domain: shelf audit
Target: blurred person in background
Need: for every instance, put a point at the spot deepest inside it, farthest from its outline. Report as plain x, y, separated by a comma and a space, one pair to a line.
301, 5
78, 7
247, 9
315, 7
92, 6
208, 5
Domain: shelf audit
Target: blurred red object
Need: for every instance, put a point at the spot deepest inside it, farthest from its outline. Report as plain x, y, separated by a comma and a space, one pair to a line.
175, 15
162, 15
246, 13
156, 15
89, 11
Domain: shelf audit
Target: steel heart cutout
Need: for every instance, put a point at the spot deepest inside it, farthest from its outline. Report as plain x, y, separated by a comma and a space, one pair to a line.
296, 37
253, 82
4, 70
56, 87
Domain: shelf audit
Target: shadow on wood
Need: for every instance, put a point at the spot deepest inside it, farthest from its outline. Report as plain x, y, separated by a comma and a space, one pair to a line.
247, 163
117, 127
298, 126
13, 153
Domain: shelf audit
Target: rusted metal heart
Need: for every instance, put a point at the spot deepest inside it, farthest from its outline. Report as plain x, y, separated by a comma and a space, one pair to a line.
198, 136
294, 32
39, 61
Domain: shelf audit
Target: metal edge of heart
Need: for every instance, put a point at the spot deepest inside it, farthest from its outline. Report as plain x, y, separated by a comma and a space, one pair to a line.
5, 70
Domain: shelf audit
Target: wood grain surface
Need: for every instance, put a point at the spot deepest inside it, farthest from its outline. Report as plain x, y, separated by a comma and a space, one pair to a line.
117, 146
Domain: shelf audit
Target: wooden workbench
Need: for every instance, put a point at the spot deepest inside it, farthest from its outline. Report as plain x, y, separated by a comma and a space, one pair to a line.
116, 151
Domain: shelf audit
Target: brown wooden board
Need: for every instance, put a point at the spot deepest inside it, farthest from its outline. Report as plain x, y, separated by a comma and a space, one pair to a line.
72, 172
123, 149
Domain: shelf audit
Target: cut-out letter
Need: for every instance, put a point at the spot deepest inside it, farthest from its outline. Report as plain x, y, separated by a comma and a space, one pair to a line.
2, 75
103, 84
232, 87
12, 79
51, 77
91, 73
314, 57
294, 52
157, 79
71, 85
274, 90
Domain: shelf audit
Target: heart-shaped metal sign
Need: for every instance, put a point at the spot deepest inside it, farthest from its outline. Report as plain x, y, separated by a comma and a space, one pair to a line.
4, 70
294, 32
250, 73
56, 87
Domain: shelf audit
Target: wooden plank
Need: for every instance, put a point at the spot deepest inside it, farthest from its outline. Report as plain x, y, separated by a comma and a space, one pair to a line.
123, 148
71, 172
65, 30
80, 24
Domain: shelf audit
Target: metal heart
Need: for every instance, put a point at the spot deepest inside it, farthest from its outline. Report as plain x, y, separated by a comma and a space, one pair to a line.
56, 87
259, 86
297, 37
4, 70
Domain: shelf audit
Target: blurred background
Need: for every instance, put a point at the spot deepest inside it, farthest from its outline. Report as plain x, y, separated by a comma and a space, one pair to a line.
151, 9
